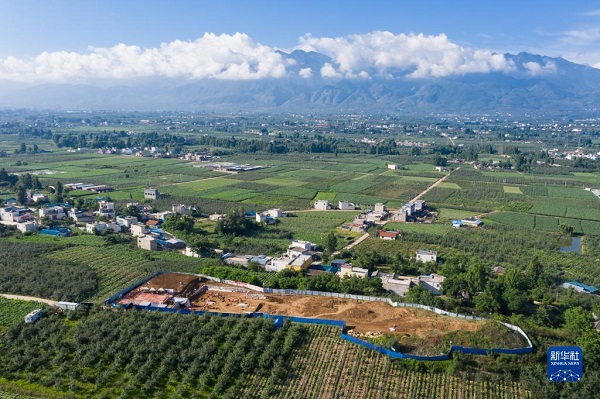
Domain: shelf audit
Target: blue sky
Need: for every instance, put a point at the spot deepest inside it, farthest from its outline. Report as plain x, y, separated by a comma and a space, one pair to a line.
570, 29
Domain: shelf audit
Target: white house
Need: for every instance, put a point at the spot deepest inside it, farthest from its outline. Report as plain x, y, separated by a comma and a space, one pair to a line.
440, 169
322, 205
27, 227
92, 228
106, 209
380, 208
13, 214
182, 209
39, 197
147, 242
426, 256
393, 166
419, 205
275, 213
432, 282
278, 264
139, 229
152, 193
127, 221
81, 217
346, 206
261, 217
348, 270
52, 212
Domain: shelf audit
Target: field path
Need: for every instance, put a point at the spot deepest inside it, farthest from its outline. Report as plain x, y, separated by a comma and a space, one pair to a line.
366, 235
30, 298
432, 186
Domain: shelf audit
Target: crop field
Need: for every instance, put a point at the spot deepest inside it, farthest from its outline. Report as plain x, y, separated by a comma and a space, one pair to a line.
329, 367
290, 182
12, 311
512, 190
433, 228
8, 395
314, 226
117, 266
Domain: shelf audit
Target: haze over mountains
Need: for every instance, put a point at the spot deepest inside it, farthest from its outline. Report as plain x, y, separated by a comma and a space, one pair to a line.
525, 84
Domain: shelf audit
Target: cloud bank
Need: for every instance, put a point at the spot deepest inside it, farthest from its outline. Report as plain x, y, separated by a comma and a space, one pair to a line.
239, 57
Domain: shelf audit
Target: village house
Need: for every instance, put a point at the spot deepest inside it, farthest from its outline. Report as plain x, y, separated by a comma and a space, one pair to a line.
580, 287
275, 213
398, 285
147, 242
393, 166
52, 212
278, 264
81, 217
127, 221
92, 228
15, 214
181, 209
425, 256
380, 208
346, 206
472, 221
27, 227
322, 205
432, 282
152, 193
139, 229
388, 235
299, 247
348, 270
301, 262
357, 227
106, 209
35, 197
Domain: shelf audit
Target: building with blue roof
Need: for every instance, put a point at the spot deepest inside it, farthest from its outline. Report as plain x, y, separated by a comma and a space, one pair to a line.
580, 287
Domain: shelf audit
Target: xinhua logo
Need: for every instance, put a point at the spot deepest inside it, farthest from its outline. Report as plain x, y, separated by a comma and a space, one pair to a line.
565, 363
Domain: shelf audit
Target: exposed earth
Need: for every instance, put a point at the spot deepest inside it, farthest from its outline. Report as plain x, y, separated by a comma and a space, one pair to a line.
361, 316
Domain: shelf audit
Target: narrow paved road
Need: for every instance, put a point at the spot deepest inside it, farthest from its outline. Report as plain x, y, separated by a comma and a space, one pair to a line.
366, 235
30, 298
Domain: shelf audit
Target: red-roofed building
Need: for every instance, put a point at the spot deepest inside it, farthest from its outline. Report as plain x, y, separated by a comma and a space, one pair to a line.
388, 235
152, 223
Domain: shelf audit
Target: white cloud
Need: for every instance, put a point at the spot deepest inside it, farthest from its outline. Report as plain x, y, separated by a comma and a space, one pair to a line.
582, 37
305, 73
420, 55
534, 68
234, 56
328, 71
238, 56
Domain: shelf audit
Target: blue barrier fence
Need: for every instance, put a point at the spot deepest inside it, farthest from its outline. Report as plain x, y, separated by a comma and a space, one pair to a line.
335, 323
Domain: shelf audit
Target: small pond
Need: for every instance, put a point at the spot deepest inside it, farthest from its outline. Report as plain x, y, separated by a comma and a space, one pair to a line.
569, 244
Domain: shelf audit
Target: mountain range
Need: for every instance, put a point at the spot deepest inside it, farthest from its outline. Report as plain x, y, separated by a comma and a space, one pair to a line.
556, 87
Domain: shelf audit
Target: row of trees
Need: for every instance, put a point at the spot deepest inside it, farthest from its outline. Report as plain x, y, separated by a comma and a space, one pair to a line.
134, 354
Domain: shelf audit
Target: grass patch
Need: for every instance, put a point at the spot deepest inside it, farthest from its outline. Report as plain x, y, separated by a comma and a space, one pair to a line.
512, 190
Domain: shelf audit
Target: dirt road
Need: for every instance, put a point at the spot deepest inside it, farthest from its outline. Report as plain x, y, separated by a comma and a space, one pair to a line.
30, 298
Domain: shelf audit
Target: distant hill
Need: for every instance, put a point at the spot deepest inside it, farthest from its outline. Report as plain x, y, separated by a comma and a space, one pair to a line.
538, 85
